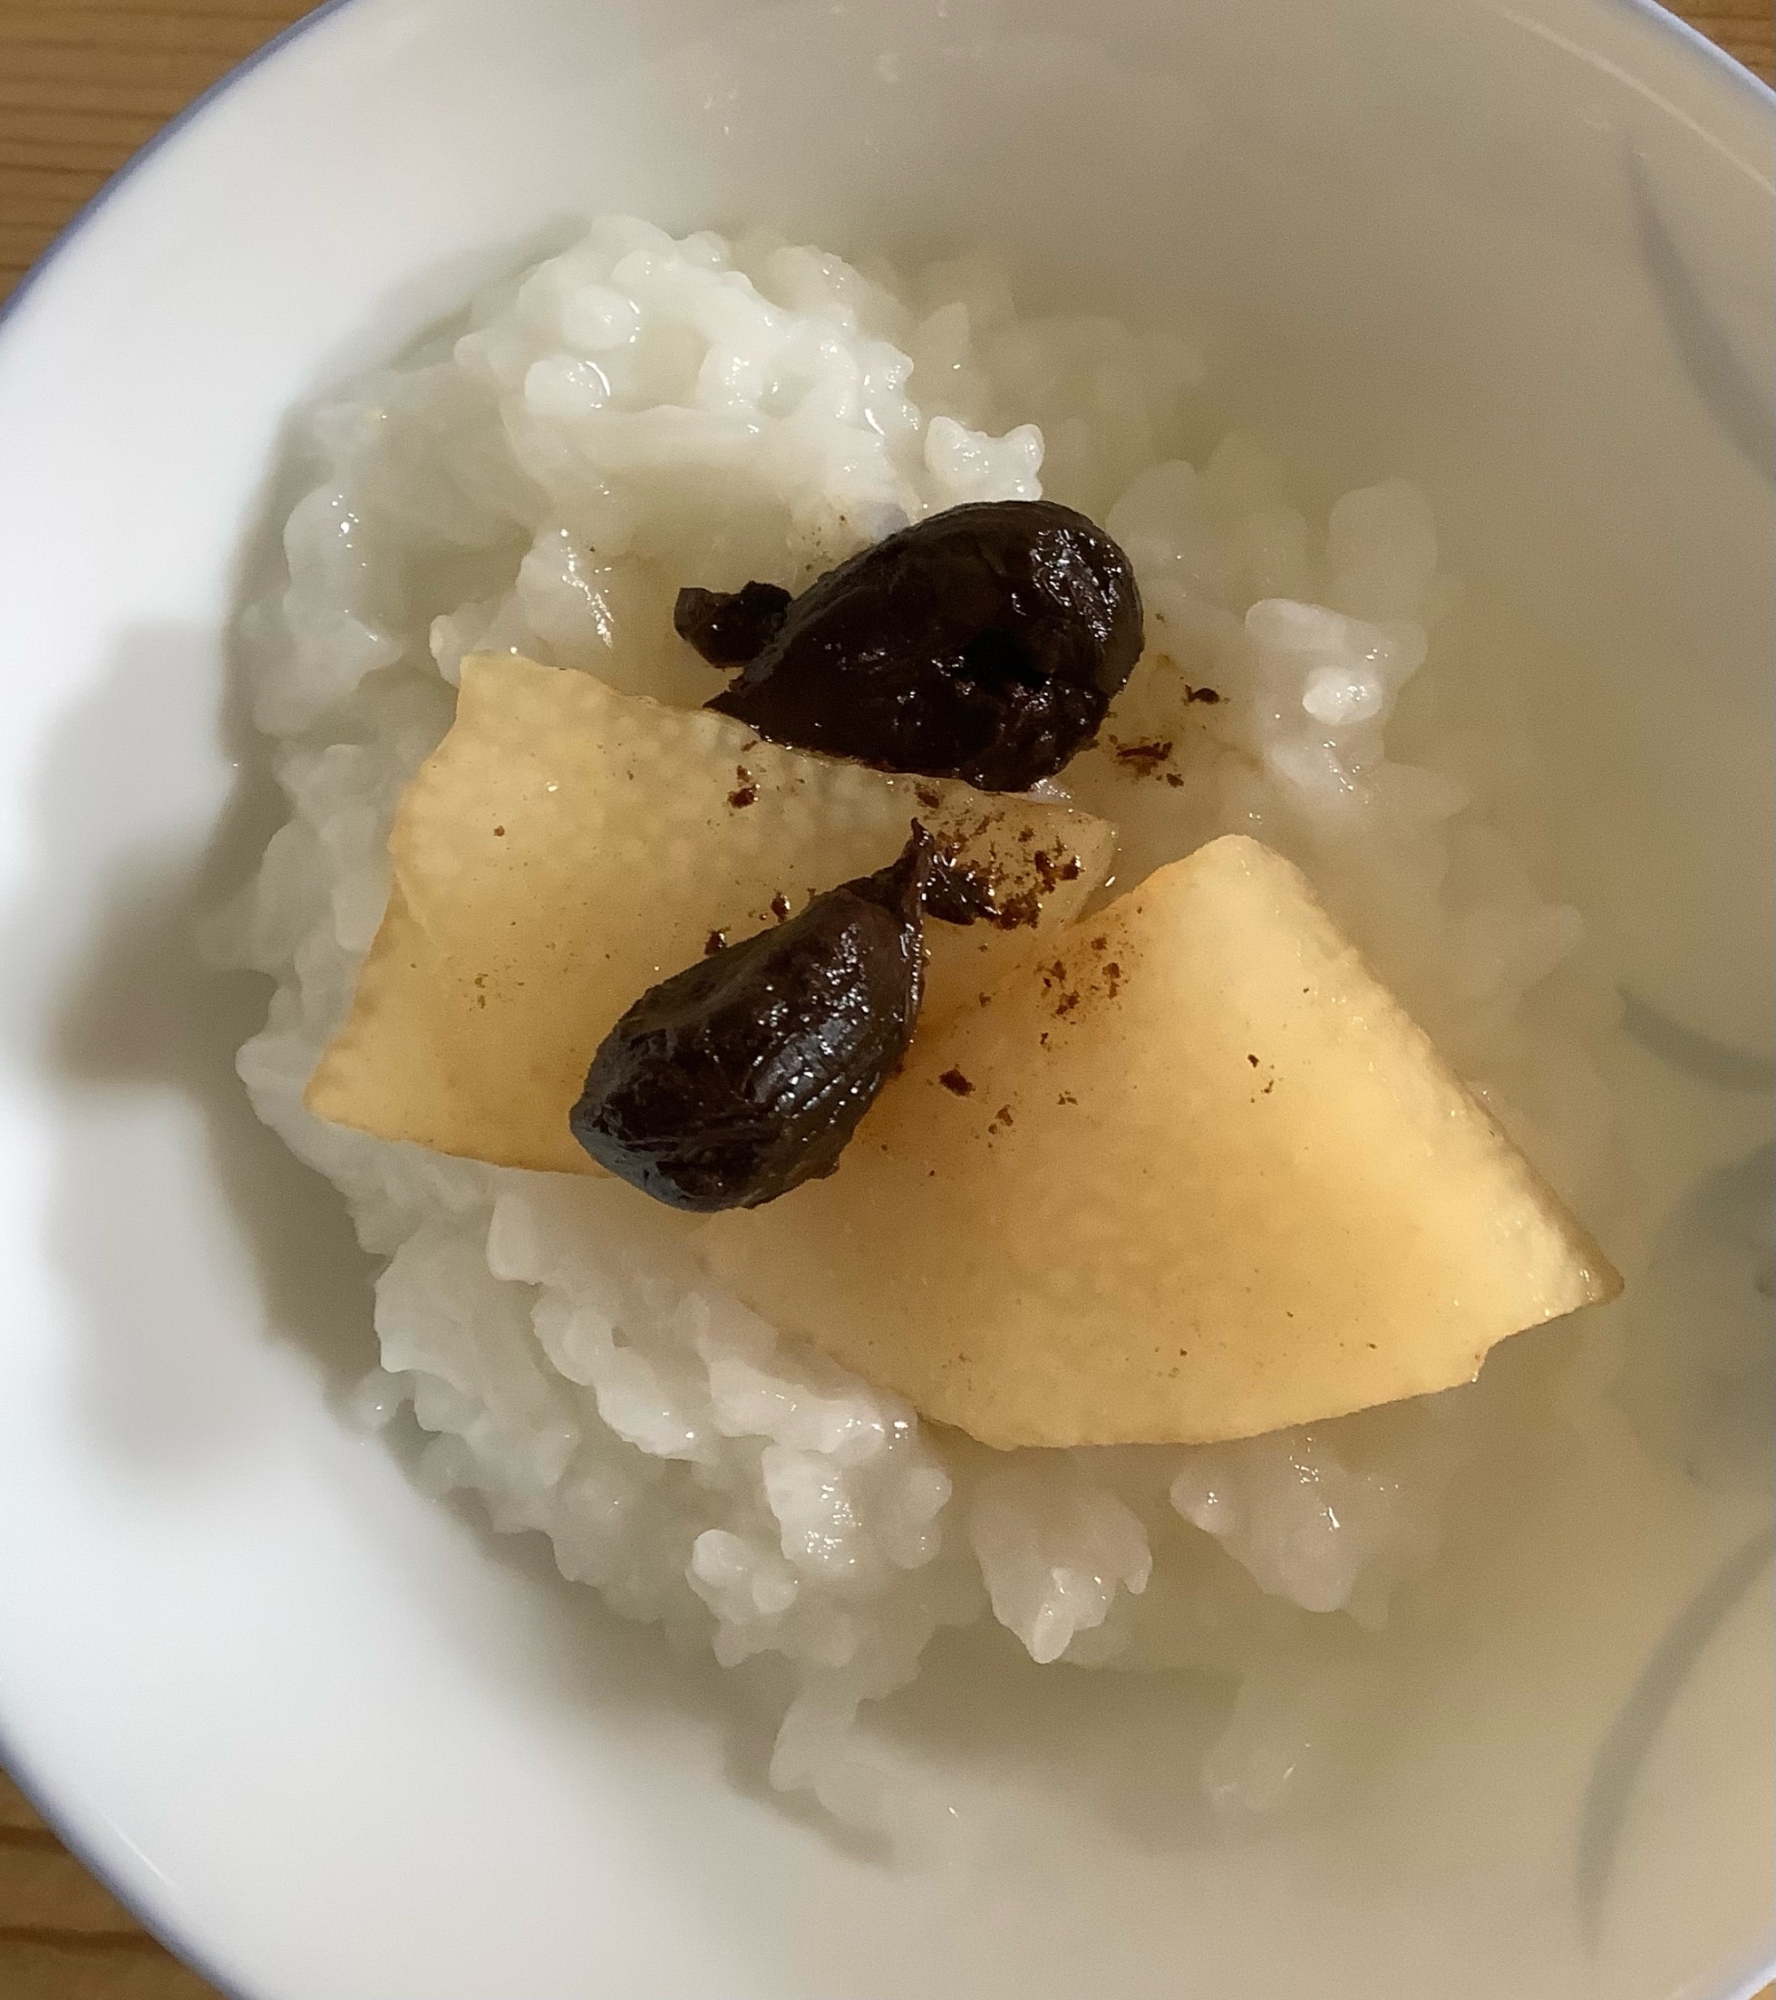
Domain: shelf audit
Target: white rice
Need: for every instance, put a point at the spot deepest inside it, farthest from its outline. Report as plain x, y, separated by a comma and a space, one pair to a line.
640, 414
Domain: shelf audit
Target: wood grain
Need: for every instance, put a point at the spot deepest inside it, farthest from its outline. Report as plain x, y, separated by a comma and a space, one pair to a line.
81, 87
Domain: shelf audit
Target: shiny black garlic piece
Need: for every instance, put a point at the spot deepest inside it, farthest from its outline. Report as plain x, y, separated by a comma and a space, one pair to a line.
982, 643
730, 627
743, 1076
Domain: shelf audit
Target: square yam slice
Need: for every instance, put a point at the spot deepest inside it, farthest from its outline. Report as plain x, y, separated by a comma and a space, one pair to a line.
566, 847
1195, 1176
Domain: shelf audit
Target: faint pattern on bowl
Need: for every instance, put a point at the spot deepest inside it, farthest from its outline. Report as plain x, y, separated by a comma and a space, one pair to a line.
1693, 1052
1732, 393
1698, 1376
1637, 1723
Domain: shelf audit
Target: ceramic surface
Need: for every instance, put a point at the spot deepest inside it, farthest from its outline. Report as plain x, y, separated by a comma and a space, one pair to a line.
334, 1739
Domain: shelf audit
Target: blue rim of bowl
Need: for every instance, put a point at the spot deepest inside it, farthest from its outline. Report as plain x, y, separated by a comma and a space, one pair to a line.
1651, 11
135, 1903
1659, 16
77, 222
19, 1768
1684, 31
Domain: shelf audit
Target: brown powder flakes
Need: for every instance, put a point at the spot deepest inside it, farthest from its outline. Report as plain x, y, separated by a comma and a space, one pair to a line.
1100, 944
1001, 1119
1065, 1005
957, 895
928, 796
714, 942
1066, 1097
1209, 696
1112, 979
1049, 870
780, 906
1144, 758
1253, 1060
499, 833
744, 796
956, 1083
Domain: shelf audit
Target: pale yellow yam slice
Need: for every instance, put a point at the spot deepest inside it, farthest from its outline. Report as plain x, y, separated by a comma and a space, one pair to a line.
567, 846
1207, 1180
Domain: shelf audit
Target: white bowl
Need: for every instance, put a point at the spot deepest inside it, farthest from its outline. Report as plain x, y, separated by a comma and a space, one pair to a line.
328, 1737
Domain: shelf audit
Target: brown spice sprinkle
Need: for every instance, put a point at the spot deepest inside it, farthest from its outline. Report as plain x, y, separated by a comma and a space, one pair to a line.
1066, 1097
1100, 944
1208, 695
714, 942
1065, 1005
963, 895
1175, 779
780, 906
743, 797
1144, 758
928, 796
954, 1081
1049, 871
1113, 979
1001, 1117
1253, 1060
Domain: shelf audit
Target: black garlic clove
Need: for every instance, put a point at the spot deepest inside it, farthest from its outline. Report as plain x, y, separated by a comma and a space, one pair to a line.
730, 627
982, 643
743, 1076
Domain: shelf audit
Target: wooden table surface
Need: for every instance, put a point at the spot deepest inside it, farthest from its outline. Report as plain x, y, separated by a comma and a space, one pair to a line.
83, 83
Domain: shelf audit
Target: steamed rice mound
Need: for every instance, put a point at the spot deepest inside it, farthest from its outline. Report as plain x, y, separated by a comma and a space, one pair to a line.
640, 414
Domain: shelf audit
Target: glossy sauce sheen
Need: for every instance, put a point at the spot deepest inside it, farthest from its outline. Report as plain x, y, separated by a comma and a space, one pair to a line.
984, 643
744, 1076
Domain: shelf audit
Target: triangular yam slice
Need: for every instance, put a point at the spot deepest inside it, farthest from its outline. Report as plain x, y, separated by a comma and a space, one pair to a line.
1196, 1176
566, 847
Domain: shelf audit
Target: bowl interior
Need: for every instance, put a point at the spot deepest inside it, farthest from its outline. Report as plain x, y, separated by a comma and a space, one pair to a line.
335, 1738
